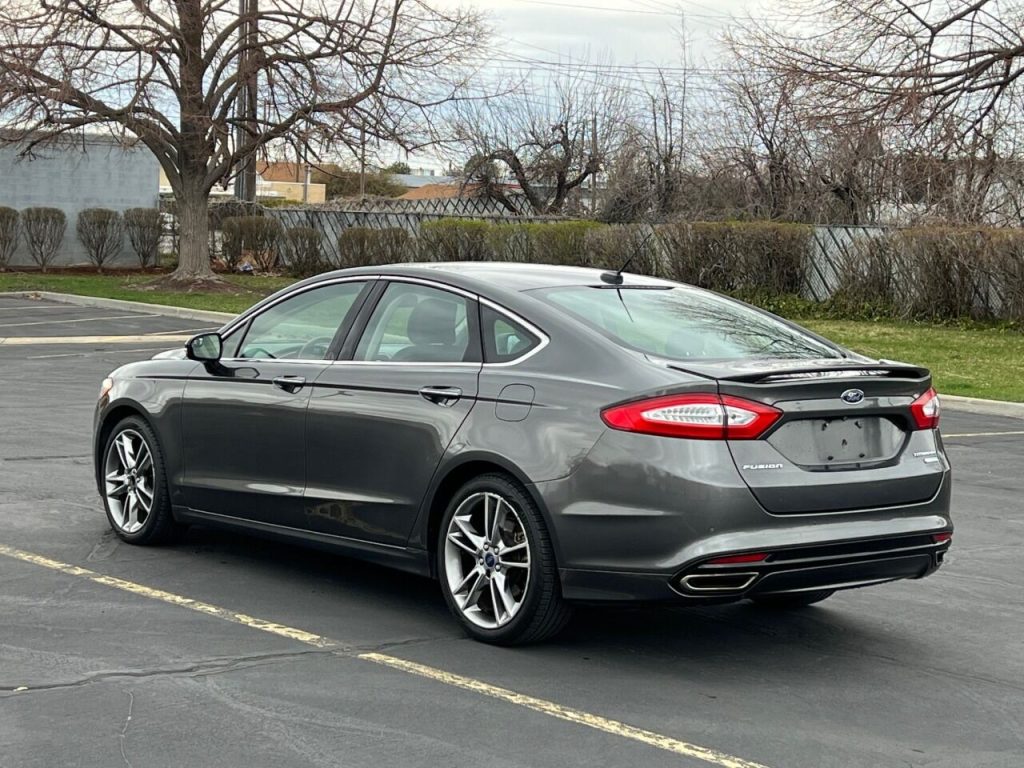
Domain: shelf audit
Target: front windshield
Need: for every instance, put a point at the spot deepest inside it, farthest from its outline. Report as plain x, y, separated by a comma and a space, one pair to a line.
684, 323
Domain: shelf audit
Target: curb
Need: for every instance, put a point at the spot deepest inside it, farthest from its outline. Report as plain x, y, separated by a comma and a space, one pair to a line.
984, 407
205, 316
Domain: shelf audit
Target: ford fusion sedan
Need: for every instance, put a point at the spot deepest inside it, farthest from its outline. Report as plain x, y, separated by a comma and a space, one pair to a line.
536, 436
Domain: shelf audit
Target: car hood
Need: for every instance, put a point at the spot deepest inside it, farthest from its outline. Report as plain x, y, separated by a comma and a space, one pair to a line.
170, 354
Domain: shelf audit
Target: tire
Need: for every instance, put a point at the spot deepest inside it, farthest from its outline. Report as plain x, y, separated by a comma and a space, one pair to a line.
509, 608
124, 490
783, 602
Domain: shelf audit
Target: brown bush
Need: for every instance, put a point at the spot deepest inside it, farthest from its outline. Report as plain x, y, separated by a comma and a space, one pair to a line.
738, 257
254, 237
102, 233
937, 273
144, 227
44, 232
305, 251
562, 242
8, 236
362, 246
630, 246
459, 240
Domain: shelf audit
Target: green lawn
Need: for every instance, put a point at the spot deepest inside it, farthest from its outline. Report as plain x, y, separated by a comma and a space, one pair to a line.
133, 288
975, 362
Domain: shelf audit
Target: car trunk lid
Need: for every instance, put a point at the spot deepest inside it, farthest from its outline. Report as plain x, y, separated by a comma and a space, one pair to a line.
846, 439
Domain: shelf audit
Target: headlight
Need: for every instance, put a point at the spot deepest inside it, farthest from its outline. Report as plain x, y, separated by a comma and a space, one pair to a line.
105, 387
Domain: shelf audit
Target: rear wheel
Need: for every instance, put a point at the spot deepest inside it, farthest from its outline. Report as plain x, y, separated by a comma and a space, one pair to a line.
135, 485
785, 602
497, 565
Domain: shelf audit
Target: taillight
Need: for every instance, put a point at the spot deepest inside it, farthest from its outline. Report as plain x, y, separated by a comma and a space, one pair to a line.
698, 416
926, 410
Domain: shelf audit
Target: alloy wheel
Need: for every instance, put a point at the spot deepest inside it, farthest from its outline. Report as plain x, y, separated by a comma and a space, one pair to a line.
487, 560
130, 480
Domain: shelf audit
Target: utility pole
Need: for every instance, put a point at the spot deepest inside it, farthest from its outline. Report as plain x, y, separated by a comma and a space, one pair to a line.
593, 176
362, 163
246, 114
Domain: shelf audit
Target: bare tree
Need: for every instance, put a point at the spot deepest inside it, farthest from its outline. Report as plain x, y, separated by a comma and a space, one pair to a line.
171, 73
548, 141
910, 61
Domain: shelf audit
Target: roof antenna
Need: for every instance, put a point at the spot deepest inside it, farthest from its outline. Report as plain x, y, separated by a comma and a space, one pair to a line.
615, 278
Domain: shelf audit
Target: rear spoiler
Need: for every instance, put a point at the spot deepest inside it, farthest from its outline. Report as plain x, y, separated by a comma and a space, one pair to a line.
764, 372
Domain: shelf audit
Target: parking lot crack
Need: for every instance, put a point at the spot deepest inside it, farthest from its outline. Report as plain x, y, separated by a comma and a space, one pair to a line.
124, 729
390, 646
198, 668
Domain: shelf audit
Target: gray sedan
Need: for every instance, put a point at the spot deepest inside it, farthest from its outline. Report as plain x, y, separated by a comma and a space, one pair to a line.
534, 436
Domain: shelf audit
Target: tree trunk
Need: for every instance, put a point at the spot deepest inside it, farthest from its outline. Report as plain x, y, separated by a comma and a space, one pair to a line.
193, 238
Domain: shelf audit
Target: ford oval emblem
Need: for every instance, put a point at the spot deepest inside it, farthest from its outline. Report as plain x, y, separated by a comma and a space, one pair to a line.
852, 396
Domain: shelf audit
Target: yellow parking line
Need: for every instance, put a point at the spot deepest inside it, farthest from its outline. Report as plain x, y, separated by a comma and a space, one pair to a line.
550, 708
542, 706
12, 341
984, 434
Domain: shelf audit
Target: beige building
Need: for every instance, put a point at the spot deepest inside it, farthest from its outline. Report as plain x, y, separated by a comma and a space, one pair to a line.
270, 189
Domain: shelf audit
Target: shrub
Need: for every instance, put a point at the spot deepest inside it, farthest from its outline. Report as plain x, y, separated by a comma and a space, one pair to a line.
217, 214
867, 281
936, 274
144, 227
255, 237
738, 257
8, 236
101, 232
562, 242
457, 240
363, 246
305, 253
44, 232
510, 242
634, 247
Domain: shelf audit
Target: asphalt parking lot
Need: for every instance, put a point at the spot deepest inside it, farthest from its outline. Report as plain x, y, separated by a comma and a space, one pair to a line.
105, 662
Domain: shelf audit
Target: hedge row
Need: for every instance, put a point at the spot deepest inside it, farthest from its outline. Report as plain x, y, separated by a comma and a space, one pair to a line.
911, 274
100, 230
936, 273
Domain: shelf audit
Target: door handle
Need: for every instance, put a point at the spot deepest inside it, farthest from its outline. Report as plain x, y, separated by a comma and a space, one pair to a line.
291, 384
441, 395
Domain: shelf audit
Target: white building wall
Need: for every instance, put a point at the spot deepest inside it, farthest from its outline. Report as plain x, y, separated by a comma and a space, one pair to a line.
90, 172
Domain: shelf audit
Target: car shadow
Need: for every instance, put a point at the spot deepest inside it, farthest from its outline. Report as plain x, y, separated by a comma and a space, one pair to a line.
727, 637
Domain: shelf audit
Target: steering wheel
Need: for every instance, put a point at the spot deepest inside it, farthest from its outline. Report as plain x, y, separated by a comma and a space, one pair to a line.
315, 348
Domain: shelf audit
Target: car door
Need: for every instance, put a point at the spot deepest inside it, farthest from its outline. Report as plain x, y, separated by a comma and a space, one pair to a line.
244, 418
381, 418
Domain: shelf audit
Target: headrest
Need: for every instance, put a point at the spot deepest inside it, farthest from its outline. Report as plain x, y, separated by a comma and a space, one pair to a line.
432, 321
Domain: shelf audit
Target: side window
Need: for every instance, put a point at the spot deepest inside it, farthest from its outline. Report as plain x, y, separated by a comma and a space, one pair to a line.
417, 324
302, 327
504, 339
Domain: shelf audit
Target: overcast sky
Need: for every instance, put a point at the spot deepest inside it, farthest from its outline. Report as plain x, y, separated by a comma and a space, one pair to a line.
626, 33
632, 31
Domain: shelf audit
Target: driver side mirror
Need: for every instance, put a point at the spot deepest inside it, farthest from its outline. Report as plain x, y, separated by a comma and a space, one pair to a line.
206, 347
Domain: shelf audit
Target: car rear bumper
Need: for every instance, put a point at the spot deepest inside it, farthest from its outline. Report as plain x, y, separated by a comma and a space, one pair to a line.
834, 566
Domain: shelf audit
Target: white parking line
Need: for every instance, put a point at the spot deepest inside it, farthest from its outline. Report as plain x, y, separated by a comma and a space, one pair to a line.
76, 320
21, 341
984, 434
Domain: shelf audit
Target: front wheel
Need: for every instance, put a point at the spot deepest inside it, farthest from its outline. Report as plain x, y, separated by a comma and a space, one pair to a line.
784, 602
135, 485
497, 565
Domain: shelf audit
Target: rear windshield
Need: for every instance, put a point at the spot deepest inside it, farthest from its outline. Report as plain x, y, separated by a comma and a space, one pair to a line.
684, 323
